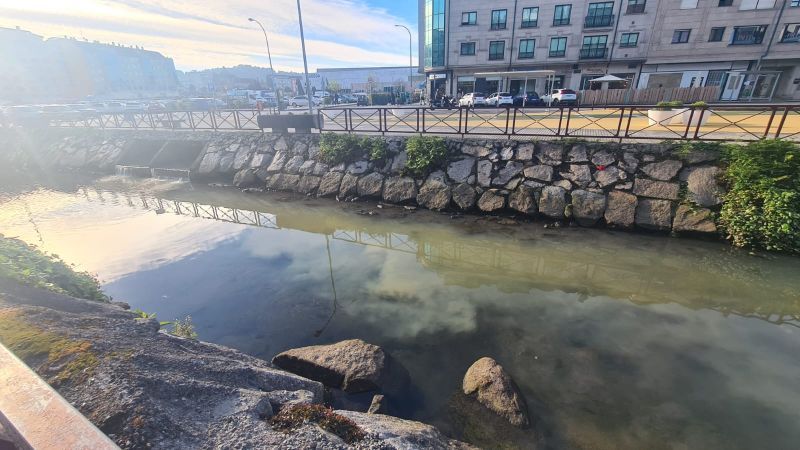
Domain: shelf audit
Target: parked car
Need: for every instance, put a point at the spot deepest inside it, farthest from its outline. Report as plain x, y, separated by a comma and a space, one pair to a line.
500, 99
362, 99
532, 99
302, 100
560, 96
472, 100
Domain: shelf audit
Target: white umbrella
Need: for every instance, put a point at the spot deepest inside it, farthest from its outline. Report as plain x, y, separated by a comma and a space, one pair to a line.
606, 78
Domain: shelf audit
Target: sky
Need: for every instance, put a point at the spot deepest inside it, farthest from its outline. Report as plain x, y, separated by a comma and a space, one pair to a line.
201, 34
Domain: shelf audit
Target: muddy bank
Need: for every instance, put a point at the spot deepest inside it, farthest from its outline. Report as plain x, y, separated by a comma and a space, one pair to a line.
149, 389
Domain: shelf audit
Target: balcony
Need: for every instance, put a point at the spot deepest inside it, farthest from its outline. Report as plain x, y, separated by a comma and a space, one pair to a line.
635, 9
598, 21
593, 53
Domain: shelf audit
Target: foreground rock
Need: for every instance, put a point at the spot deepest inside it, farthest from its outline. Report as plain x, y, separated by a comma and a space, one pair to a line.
148, 389
495, 390
352, 365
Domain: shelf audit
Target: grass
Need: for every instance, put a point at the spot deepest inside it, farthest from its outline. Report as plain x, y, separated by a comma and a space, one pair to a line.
293, 417
27, 265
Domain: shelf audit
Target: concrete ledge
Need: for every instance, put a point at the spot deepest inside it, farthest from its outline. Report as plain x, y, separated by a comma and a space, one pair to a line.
36, 417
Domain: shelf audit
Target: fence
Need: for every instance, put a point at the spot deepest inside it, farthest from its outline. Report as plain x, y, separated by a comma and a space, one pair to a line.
712, 123
650, 96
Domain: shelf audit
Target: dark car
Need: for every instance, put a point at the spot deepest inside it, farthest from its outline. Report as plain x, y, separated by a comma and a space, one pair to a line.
530, 100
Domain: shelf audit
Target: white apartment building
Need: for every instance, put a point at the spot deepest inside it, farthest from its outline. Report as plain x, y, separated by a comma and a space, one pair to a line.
750, 48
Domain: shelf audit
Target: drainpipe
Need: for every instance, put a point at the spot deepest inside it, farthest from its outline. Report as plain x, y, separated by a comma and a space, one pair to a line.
775, 23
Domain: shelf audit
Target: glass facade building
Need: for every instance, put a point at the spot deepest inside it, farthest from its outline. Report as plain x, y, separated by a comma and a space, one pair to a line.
435, 37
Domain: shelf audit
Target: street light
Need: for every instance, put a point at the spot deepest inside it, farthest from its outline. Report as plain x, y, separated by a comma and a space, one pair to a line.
305, 60
269, 54
410, 62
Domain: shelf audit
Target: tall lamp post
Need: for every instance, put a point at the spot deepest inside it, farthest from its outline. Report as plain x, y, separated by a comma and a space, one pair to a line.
305, 60
269, 54
410, 63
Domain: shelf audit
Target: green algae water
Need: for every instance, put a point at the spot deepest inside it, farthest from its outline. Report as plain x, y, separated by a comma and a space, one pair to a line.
617, 340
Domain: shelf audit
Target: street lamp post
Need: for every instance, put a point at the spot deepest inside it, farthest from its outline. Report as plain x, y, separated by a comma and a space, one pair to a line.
410, 62
269, 54
305, 60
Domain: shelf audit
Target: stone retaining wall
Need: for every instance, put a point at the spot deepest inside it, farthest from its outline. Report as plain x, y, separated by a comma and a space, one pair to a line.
650, 186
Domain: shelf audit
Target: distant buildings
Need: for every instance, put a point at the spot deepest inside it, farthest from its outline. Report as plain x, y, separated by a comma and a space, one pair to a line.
61, 70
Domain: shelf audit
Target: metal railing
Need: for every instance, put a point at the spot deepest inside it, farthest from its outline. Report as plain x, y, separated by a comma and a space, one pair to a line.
712, 123
593, 52
598, 21
716, 122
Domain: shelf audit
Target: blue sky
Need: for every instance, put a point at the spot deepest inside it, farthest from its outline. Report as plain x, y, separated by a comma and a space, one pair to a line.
201, 34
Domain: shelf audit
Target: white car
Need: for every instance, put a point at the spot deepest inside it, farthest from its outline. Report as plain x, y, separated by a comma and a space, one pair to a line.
472, 100
557, 96
301, 101
500, 99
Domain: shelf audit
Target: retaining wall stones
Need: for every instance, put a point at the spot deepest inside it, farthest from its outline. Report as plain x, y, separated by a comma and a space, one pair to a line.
631, 185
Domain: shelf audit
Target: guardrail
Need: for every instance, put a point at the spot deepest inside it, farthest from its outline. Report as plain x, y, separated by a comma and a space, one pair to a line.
719, 122
712, 123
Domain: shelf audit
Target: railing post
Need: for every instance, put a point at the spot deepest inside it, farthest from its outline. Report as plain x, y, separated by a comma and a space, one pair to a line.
348, 120
688, 122
783, 120
769, 122
621, 116
466, 122
699, 123
569, 116
417, 109
628, 125
514, 123
508, 118
424, 128
560, 120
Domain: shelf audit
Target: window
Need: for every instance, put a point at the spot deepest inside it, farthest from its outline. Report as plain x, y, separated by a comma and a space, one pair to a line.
530, 17
750, 35
526, 47
594, 47
791, 33
599, 15
680, 36
725, 3
716, 34
629, 40
435, 35
558, 47
688, 4
467, 48
635, 7
757, 4
795, 3
497, 50
499, 19
562, 14
715, 77
469, 18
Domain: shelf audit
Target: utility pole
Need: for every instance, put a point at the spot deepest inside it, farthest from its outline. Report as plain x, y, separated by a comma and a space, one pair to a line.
269, 54
305, 60
410, 63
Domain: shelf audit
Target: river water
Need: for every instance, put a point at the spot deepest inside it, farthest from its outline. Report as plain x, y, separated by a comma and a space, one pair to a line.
617, 340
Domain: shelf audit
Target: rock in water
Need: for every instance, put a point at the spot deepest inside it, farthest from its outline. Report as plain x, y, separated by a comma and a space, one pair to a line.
497, 391
352, 365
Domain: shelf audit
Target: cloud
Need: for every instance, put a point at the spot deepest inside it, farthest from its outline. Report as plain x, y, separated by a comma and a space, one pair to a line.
204, 33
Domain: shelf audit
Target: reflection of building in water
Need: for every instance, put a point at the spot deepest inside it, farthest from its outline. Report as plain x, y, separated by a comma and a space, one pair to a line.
476, 262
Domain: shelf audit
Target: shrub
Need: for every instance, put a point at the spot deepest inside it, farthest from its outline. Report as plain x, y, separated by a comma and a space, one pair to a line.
26, 265
184, 328
293, 417
345, 148
699, 104
666, 106
762, 206
424, 154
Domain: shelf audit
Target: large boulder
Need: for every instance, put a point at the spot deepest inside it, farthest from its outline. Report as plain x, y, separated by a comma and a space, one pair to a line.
491, 200
402, 434
620, 209
580, 174
349, 185
464, 196
664, 170
484, 173
523, 199
399, 189
352, 365
246, 178
693, 220
277, 163
654, 214
540, 172
434, 194
656, 189
308, 184
329, 185
550, 153
577, 154
459, 171
603, 158
525, 152
509, 171
609, 176
588, 207
704, 190
495, 389
370, 185
552, 202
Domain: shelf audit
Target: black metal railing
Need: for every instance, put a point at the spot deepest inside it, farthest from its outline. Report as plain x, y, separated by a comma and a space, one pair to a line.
718, 122
560, 21
593, 53
598, 21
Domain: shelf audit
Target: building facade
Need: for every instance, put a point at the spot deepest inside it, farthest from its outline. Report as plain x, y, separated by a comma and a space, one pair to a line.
750, 48
67, 69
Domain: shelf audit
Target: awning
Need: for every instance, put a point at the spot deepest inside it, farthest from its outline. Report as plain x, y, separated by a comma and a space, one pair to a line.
607, 78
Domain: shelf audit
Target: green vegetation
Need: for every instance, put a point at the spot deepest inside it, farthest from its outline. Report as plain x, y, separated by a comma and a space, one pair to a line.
26, 265
762, 206
684, 149
699, 104
346, 148
666, 106
184, 328
293, 417
424, 154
